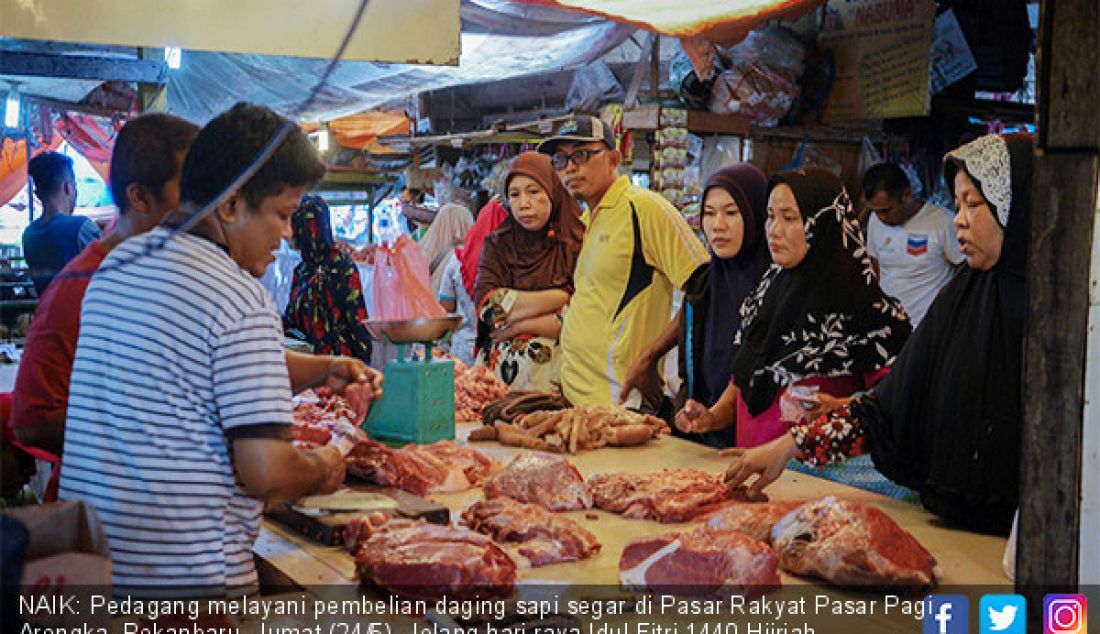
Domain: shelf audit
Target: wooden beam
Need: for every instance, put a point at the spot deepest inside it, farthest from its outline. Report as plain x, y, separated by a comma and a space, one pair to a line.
1064, 200
631, 99
1069, 86
655, 68
83, 67
154, 97
69, 106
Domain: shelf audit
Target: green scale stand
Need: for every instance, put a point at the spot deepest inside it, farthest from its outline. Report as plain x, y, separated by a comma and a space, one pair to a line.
418, 401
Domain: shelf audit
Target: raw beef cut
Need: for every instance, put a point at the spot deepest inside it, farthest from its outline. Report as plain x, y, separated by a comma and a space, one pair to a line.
428, 561
706, 561
754, 520
851, 544
671, 495
542, 479
420, 469
544, 538
475, 387
322, 417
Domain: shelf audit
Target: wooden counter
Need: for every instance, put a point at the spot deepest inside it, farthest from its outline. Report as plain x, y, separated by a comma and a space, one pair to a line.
966, 559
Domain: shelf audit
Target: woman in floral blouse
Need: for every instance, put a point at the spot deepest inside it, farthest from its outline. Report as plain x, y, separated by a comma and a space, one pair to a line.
947, 421
326, 295
817, 317
525, 277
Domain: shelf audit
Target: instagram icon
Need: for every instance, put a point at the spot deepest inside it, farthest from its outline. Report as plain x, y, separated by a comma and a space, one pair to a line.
1065, 614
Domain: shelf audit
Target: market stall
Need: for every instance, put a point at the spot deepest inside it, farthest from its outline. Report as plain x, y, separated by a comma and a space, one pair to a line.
965, 559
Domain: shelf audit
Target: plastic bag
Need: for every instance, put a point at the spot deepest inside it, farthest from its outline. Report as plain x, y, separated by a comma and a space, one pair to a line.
762, 81
401, 283
592, 84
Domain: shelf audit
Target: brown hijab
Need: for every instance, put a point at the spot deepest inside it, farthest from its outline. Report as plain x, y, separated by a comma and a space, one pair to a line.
523, 260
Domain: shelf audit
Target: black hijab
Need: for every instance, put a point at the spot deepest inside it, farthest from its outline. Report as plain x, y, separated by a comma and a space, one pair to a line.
712, 318
825, 317
947, 420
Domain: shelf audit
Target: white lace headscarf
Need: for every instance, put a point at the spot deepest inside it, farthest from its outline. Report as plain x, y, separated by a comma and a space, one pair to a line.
987, 161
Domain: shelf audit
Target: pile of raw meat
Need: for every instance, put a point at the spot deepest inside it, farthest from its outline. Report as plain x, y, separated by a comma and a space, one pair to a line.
575, 428
475, 387
844, 543
542, 479
851, 545
543, 538
420, 469
706, 561
671, 495
322, 417
419, 560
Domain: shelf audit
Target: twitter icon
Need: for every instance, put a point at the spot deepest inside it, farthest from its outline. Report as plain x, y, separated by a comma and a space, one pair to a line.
1003, 614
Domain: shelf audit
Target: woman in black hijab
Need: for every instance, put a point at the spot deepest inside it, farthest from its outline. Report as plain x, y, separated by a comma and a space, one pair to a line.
947, 420
735, 200
816, 320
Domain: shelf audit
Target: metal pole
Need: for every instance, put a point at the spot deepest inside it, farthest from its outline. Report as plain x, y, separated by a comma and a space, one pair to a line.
28, 139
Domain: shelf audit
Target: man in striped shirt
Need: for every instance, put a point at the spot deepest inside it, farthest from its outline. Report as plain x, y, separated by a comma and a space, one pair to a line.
178, 427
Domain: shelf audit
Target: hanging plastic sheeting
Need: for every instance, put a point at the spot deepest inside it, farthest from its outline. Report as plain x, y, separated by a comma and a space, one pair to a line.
726, 22
530, 40
94, 140
13, 165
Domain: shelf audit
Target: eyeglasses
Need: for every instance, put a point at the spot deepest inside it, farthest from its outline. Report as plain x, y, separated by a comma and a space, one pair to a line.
579, 157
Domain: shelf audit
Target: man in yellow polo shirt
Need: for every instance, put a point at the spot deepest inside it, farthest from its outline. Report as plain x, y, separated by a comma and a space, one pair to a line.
637, 248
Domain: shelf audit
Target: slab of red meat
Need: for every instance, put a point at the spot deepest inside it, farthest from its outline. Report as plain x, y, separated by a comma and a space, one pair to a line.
420, 469
851, 544
385, 466
754, 520
671, 495
705, 562
428, 561
473, 464
543, 479
544, 538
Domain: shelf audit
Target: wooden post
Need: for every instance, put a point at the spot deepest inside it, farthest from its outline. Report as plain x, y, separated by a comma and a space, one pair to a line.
631, 98
1064, 213
154, 97
655, 68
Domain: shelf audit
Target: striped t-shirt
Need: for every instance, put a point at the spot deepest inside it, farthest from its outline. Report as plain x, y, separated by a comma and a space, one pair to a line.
175, 350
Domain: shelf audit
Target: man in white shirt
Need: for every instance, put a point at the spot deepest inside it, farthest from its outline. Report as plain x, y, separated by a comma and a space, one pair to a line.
913, 242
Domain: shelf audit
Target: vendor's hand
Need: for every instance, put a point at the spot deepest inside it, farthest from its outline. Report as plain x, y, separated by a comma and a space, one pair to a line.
766, 462
346, 371
642, 376
696, 418
332, 468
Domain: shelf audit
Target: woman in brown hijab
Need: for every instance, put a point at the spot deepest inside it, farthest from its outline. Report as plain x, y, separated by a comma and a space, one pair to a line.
525, 277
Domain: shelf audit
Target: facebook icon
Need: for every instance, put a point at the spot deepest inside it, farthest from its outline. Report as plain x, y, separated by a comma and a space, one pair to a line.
946, 614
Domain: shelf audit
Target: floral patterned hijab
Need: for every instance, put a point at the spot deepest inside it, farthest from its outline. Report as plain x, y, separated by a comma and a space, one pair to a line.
326, 295
825, 317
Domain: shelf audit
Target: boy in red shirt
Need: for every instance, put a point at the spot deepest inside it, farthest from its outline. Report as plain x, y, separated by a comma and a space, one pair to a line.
144, 180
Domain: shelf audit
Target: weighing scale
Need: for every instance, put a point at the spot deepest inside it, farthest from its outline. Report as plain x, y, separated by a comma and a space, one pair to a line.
418, 400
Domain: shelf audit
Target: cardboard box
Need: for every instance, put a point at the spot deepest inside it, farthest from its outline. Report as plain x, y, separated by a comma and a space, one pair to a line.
67, 554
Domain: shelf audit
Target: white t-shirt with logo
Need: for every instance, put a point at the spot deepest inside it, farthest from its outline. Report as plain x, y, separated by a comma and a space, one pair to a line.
915, 259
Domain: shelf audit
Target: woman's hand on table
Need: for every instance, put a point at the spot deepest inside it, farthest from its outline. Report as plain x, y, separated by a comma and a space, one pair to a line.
767, 462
